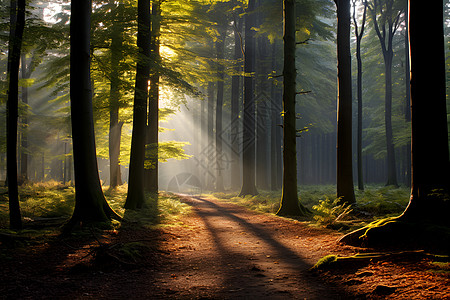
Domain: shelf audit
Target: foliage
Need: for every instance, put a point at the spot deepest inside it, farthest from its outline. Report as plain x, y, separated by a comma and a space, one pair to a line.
325, 262
329, 211
373, 203
44, 201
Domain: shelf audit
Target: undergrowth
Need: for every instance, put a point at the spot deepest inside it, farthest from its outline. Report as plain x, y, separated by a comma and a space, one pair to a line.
54, 201
375, 202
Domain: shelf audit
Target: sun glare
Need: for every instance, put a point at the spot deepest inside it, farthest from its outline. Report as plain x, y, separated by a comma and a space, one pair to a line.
51, 12
166, 52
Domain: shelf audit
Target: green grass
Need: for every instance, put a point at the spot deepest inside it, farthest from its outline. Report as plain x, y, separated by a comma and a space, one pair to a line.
374, 203
55, 200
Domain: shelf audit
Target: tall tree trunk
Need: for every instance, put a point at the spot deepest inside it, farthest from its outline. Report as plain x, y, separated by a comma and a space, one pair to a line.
235, 107
248, 137
430, 191
17, 24
115, 127
210, 149
136, 195
275, 111
391, 165
90, 203
359, 33
220, 48
407, 102
430, 154
26, 74
385, 35
153, 113
344, 120
262, 107
290, 205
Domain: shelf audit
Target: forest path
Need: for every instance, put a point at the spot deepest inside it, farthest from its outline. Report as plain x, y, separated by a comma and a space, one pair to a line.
218, 251
225, 251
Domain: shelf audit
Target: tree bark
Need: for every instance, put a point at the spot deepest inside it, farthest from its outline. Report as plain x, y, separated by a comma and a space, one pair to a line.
275, 110
136, 195
235, 106
262, 108
26, 74
220, 48
115, 126
248, 137
17, 24
359, 33
153, 111
344, 174
90, 203
289, 205
385, 35
428, 205
430, 153
210, 149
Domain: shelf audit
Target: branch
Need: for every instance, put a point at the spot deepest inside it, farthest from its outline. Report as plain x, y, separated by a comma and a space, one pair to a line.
303, 42
239, 34
303, 92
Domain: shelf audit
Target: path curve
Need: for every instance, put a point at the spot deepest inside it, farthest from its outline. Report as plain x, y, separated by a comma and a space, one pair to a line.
225, 251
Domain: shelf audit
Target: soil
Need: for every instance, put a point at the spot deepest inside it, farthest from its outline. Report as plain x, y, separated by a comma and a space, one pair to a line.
220, 251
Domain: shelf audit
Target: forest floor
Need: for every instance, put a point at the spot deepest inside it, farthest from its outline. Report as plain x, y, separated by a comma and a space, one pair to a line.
218, 251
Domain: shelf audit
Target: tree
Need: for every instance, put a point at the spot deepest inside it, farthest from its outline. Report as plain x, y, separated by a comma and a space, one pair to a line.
359, 33
222, 24
17, 24
153, 114
390, 18
248, 137
428, 205
289, 197
136, 195
90, 203
115, 126
344, 120
235, 104
429, 139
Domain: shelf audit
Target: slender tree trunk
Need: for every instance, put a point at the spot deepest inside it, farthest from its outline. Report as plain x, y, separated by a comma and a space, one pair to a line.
153, 114
201, 163
115, 126
26, 74
344, 120
210, 149
136, 195
248, 137
392, 174
90, 203
275, 111
385, 35
290, 205
235, 107
262, 127
17, 24
220, 48
359, 33
407, 102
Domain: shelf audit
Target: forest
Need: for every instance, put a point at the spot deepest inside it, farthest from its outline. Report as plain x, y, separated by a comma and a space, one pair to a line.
159, 149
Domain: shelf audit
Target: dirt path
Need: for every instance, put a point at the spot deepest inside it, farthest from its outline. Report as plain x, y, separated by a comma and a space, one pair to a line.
227, 252
220, 251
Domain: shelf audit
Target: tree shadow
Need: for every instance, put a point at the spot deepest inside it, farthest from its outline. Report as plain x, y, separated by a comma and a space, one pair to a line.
271, 275
89, 263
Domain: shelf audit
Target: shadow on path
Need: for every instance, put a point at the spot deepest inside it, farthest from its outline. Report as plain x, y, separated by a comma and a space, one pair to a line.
248, 256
